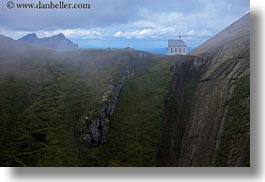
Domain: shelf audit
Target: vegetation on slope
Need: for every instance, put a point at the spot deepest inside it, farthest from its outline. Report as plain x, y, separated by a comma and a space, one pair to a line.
43, 101
135, 126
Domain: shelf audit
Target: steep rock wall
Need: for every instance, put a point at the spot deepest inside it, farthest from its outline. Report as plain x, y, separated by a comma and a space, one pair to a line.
179, 102
208, 122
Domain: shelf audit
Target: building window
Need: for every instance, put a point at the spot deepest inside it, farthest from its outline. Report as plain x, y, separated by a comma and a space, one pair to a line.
176, 50
179, 50
184, 50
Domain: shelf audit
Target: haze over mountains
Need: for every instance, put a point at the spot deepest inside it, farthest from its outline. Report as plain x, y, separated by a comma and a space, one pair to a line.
54, 42
125, 107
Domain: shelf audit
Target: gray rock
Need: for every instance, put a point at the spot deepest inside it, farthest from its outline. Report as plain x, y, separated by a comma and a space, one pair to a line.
207, 120
96, 132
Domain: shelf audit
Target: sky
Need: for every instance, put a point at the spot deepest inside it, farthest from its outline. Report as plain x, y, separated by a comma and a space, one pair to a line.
122, 23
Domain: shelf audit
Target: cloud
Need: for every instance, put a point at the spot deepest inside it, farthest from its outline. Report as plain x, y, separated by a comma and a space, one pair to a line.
112, 12
145, 33
102, 13
199, 33
134, 34
80, 33
191, 32
70, 33
126, 19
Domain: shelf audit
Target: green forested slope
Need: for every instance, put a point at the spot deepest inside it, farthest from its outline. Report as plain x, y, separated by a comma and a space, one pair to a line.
135, 126
45, 93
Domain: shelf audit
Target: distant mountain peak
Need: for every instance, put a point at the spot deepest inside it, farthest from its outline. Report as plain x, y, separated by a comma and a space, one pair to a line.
58, 41
33, 35
30, 37
60, 35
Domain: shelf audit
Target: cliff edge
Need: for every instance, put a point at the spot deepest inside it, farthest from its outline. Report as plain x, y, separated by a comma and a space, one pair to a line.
208, 119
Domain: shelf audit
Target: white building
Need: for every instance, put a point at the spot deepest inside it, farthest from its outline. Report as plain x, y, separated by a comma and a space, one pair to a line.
177, 47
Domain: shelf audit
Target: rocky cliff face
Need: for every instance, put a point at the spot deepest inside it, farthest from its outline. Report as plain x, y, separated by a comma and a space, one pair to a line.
179, 102
95, 131
208, 108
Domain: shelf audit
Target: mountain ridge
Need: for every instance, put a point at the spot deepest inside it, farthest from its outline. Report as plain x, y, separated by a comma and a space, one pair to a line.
125, 107
59, 41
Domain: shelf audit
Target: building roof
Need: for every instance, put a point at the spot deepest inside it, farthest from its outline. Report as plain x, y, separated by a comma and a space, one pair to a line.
176, 43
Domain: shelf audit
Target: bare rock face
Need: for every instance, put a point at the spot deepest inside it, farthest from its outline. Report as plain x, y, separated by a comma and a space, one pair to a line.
184, 78
208, 108
95, 132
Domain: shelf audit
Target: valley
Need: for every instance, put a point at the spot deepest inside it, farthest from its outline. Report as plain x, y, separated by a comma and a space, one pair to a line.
124, 107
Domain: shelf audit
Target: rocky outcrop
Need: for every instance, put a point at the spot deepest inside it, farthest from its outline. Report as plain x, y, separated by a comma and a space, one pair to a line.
95, 132
208, 108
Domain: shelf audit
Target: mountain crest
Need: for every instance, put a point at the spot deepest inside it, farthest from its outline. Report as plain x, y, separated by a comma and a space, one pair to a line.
58, 41
60, 35
30, 37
